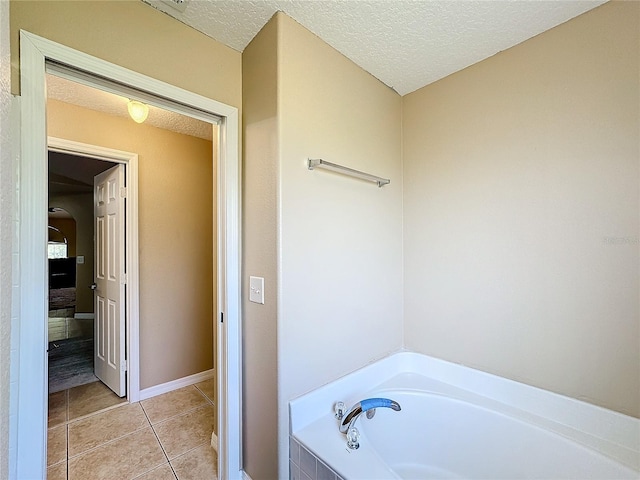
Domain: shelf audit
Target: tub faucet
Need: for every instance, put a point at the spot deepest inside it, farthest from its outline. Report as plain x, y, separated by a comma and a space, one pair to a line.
348, 419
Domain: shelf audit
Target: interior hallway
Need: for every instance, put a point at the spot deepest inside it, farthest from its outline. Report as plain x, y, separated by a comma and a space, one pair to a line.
94, 434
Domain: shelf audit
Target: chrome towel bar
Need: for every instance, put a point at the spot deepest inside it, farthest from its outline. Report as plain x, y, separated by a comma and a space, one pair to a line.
319, 163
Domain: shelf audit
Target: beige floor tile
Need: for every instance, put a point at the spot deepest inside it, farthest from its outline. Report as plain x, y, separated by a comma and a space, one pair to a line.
57, 408
173, 403
104, 427
127, 457
163, 472
208, 387
56, 445
180, 434
197, 464
57, 472
91, 398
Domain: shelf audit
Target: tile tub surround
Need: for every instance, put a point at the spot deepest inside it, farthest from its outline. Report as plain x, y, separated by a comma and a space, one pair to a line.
164, 437
312, 424
304, 465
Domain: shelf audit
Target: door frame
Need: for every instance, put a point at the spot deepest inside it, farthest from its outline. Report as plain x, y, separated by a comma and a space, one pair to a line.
132, 266
28, 395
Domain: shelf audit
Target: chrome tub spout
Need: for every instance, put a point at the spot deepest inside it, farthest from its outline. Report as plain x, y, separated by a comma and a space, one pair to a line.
368, 406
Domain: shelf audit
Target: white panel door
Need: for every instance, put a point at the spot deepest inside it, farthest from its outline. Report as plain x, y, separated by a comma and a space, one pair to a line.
110, 282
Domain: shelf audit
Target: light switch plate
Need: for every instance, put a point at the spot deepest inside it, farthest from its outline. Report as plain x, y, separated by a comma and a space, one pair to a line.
80, 259
256, 290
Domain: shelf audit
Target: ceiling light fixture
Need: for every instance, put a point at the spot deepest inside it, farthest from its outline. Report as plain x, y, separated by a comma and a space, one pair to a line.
138, 111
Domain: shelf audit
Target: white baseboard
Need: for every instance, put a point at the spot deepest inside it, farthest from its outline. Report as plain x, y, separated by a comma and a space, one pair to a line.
245, 475
176, 384
84, 316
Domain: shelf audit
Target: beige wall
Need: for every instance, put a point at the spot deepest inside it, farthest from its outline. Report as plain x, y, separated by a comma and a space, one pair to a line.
259, 225
6, 224
132, 34
135, 35
81, 208
340, 240
521, 212
330, 247
175, 236
507, 202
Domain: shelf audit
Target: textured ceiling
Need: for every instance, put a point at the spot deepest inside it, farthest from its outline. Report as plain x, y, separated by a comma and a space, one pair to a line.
101, 101
404, 43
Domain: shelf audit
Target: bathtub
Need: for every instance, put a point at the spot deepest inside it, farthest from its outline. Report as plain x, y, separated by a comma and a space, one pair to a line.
457, 422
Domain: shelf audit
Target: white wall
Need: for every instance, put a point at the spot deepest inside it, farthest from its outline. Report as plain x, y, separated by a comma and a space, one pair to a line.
6, 211
521, 217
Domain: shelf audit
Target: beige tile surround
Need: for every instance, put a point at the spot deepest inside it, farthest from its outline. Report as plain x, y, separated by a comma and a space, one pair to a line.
164, 437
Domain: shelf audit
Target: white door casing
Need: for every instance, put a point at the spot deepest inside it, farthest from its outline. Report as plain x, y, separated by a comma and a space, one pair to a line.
28, 429
110, 279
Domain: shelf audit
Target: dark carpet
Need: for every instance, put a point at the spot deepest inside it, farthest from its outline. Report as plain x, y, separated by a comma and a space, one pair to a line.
70, 363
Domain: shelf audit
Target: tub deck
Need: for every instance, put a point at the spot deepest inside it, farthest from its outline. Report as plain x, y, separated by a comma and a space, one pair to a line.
591, 442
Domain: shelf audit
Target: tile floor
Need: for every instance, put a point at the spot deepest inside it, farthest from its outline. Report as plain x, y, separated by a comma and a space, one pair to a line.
95, 435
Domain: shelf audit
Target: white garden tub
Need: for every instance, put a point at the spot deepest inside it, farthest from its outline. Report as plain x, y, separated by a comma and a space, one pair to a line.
457, 422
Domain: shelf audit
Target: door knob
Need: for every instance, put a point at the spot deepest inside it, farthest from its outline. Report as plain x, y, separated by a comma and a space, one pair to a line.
93, 286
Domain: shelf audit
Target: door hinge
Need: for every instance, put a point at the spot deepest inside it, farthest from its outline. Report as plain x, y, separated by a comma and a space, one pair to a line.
123, 366
123, 192
123, 279
221, 317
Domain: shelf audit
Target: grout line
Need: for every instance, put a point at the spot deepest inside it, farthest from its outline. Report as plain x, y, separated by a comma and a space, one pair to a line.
67, 423
145, 412
151, 470
173, 470
109, 442
155, 434
103, 410
55, 464
183, 414
160, 443
204, 394
191, 450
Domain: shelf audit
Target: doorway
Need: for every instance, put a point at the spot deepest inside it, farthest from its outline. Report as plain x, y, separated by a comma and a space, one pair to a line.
73, 168
30, 423
70, 251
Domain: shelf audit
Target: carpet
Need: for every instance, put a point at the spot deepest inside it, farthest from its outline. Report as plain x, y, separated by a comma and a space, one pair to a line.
70, 363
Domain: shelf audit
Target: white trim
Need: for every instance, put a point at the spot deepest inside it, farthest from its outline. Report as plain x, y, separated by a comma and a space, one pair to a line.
130, 160
150, 98
176, 384
84, 316
32, 203
31, 401
214, 441
245, 476
229, 331
16, 115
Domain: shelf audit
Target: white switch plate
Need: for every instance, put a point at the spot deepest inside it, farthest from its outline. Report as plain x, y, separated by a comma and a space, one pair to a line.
80, 259
256, 290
